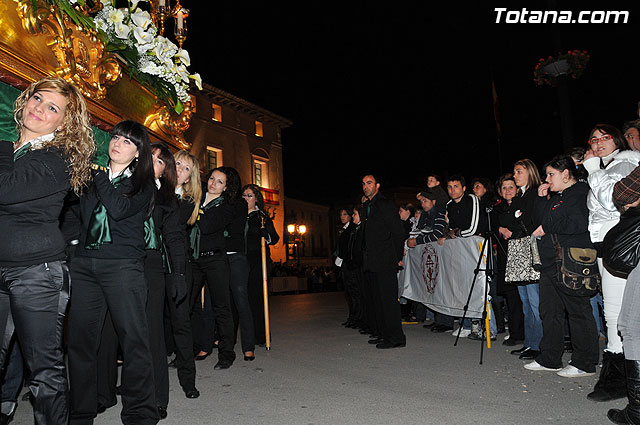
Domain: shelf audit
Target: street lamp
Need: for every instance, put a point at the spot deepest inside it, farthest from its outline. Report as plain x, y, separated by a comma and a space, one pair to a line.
296, 237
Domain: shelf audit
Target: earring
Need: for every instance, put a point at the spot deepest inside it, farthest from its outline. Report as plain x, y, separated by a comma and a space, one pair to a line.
565, 180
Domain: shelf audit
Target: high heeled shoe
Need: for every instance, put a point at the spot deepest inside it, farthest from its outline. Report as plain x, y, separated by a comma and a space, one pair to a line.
249, 358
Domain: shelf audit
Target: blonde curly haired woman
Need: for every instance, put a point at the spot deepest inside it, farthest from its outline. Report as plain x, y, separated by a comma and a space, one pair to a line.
51, 156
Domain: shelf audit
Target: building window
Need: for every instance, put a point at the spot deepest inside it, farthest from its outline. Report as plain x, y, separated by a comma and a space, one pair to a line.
216, 112
214, 157
259, 129
260, 173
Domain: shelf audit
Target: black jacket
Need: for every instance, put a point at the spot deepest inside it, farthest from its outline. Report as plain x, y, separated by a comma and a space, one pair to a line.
235, 230
567, 217
528, 219
32, 193
126, 215
255, 231
212, 223
166, 218
383, 235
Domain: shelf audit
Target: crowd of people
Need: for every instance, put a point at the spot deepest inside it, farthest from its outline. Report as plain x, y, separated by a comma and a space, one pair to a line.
155, 260
539, 218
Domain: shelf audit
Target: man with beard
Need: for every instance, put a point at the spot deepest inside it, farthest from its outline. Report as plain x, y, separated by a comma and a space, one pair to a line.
383, 250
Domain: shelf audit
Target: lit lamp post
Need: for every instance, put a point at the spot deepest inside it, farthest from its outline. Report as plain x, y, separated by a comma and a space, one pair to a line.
296, 234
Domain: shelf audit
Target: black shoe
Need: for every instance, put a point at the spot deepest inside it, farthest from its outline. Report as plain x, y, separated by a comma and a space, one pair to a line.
162, 411
375, 341
6, 419
386, 345
429, 326
192, 393
511, 342
249, 358
222, 365
172, 363
441, 328
519, 351
529, 354
202, 356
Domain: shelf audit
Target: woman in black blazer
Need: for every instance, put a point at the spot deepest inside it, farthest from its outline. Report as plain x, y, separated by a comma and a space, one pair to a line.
108, 275
210, 263
255, 231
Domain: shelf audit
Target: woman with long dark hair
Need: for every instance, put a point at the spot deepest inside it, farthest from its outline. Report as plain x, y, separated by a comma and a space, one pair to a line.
165, 260
257, 215
564, 216
210, 262
607, 162
238, 264
52, 155
108, 275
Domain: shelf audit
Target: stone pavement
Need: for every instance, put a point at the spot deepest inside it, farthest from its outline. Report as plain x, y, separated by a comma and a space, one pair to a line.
318, 372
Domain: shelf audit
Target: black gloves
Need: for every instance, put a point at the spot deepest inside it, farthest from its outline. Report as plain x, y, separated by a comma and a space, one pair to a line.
178, 287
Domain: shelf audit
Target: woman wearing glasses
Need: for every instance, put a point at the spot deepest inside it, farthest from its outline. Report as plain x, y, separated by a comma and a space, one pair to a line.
607, 162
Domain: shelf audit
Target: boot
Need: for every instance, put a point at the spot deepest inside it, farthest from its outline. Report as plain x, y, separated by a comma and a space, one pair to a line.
612, 384
631, 413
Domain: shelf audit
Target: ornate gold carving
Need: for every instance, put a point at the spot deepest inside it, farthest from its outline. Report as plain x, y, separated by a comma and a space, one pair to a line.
164, 119
80, 54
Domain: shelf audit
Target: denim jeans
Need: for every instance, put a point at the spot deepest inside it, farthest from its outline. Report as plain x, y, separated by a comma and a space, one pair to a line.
530, 296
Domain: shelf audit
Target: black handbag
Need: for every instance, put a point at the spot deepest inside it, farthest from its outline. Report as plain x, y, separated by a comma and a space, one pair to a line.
577, 270
621, 245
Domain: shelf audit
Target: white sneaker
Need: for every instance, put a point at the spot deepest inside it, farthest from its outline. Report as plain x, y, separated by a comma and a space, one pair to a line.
570, 371
534, 365
463, 333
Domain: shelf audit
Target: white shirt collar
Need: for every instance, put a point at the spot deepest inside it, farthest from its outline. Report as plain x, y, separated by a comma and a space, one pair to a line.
126, 172
180, 191
158, 184
37, 142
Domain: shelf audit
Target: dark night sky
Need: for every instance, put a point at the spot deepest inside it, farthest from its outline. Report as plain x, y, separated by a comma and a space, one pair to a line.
401, 90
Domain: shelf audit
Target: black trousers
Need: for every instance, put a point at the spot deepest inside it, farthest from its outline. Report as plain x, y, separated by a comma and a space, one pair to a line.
154, 273
256, 294
385, 295
178, 336
584, 334
107, 364
214, 270
117, 285
33, 302
515, 316
352, 289
242, 315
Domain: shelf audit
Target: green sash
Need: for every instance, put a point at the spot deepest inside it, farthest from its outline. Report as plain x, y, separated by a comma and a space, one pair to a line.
150, 237
98, 232
194, 237
21, 152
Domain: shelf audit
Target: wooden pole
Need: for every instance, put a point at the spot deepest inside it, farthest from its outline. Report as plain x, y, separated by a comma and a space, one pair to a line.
265, 291
487, 325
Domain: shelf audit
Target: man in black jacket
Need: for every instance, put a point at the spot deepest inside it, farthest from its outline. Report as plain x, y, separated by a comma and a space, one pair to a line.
383, 249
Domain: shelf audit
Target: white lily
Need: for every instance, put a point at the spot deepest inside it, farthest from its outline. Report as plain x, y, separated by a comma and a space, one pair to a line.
182, 72
183, 55
197, 79
141, 18
142, 36
122, 31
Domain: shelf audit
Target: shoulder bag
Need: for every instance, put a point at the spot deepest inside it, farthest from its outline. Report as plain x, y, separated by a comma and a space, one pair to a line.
621, 245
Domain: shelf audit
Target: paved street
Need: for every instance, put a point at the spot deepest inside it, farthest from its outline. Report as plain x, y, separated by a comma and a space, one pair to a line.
318, 372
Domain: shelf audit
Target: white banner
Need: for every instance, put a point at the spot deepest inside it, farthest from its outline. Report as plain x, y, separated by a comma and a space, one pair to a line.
440, 277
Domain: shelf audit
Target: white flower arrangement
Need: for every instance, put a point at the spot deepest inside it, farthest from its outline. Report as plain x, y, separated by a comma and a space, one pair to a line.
154, 59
